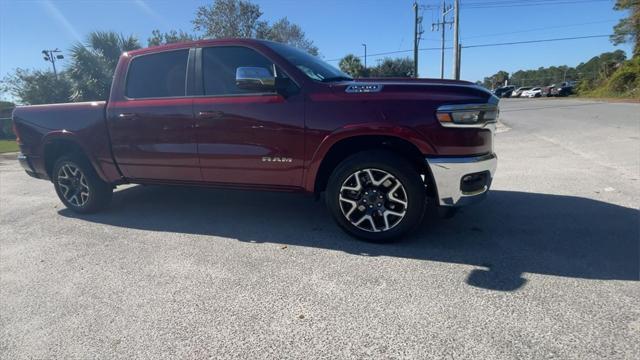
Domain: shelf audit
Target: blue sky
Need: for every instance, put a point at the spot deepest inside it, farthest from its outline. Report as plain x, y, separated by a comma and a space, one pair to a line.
337, 27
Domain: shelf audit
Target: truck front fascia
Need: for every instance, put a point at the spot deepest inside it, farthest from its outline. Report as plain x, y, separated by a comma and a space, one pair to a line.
460, 181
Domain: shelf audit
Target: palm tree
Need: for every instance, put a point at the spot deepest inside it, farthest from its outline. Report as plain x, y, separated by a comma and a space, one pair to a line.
93, 64
352, 65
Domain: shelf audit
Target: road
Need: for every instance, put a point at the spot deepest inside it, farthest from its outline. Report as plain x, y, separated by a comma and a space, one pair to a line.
546, 267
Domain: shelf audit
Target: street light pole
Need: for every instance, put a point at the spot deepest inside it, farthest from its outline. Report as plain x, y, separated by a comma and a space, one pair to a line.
49, 55
365, 55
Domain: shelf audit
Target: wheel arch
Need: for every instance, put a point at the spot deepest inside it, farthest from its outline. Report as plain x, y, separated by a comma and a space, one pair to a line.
59, 144
347, 146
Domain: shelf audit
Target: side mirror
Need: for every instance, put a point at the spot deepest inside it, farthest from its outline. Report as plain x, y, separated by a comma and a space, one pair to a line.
255, 78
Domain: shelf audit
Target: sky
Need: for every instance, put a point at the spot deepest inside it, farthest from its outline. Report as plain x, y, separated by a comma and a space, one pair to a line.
337, 27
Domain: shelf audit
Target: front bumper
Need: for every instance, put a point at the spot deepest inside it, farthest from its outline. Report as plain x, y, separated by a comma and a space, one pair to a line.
460, 181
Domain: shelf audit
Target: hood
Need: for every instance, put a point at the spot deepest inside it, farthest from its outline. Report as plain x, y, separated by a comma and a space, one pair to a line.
441, 89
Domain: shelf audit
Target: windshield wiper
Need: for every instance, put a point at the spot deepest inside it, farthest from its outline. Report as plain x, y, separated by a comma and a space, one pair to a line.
337, 78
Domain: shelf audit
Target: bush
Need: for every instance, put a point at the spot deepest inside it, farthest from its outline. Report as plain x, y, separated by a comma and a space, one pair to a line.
626, 79
6, 130
624, 82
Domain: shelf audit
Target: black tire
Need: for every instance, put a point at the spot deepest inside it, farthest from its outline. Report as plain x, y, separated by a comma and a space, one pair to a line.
412, 191
99, 192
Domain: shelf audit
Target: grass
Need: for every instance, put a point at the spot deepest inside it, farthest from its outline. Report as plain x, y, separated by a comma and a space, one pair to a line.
7, 146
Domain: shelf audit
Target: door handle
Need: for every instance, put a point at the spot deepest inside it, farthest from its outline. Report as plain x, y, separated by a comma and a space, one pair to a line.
212, 114
127, 115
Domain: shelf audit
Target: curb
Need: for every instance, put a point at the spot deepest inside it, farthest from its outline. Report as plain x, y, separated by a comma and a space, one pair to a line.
501, 127
9, 156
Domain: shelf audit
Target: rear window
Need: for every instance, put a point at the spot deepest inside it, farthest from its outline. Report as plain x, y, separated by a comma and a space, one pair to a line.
158, 75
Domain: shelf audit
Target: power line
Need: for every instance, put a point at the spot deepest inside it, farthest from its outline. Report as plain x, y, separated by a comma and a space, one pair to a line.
538, 29
395, 52
536, 41
485, 45
511, 4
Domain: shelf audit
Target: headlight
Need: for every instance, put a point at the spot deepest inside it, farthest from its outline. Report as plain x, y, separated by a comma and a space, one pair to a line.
468, 115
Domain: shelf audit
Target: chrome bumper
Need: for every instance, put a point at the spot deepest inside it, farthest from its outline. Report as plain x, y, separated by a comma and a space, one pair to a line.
448, 174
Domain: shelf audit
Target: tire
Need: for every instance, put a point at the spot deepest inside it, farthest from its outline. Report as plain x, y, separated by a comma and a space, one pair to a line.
384, 217
73, 177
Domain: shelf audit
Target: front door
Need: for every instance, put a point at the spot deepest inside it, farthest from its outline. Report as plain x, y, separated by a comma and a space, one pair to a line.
152, 128
244, 137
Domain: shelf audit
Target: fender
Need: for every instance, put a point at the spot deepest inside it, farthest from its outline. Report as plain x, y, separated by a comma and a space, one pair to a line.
105, 168
357, 130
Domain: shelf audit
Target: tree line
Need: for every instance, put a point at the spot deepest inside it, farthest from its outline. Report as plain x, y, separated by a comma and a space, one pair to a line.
608, 74
598, 67
387, 67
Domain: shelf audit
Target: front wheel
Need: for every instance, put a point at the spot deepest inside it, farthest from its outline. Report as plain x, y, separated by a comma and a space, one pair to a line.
78, 186
376, 196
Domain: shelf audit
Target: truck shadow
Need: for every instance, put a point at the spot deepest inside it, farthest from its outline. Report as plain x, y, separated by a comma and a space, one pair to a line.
509, 234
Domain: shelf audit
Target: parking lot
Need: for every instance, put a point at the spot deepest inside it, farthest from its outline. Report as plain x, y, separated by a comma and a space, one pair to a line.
546, 267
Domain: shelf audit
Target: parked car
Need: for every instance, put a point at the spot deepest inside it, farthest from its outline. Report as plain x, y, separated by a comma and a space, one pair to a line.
546, 91
504, 92
564, 89
533, 92
252, 114
518, 92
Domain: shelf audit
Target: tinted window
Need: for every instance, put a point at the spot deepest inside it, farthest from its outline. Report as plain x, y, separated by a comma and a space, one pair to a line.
158, 75
219, 66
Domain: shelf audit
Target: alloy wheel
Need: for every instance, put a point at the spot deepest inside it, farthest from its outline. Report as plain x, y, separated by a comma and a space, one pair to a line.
373, 200
73, 185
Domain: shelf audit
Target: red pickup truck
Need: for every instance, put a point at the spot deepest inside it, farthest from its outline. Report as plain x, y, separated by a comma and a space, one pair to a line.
250, 114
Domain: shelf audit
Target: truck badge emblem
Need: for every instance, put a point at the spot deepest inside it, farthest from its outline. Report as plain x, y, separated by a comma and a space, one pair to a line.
276, 159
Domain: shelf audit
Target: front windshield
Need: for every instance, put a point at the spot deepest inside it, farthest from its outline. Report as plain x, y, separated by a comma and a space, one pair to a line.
312, 66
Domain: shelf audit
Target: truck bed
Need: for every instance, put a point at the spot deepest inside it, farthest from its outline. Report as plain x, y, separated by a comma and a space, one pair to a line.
72, 124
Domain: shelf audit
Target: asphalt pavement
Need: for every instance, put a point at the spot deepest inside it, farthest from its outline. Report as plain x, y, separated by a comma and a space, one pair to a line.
546, 267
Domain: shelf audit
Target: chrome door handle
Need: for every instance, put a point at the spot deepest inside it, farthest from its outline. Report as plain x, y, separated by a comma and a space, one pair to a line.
127, 115
213, 114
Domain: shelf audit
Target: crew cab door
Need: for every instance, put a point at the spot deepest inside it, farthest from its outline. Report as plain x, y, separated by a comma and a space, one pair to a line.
246, 137
152, 127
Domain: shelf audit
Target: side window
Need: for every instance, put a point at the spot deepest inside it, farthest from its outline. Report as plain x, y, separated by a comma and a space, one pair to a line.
158, 75
219, 66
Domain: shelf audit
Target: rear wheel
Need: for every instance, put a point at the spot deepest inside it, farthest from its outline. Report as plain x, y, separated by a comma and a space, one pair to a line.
78, 186
376, 196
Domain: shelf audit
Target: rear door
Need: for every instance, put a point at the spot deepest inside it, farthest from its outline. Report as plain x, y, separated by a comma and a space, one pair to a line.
246, 137
152, 127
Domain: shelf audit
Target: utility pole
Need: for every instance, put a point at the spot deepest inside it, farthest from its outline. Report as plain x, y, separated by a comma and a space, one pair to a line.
440, 25
365, 56
49, 55
458, 61
417, 22
456, 39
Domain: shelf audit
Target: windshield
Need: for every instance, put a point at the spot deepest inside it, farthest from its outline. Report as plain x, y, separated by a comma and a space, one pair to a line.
312, 66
